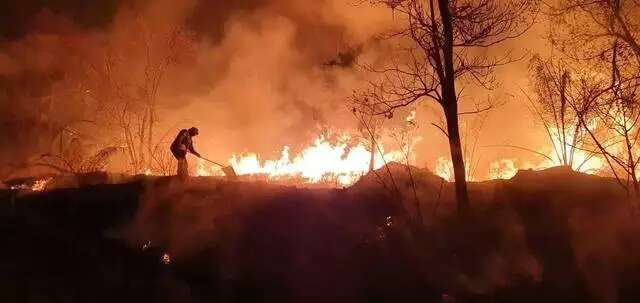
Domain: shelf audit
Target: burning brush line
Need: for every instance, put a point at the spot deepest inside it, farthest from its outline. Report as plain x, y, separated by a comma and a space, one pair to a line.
579, 160
36, 185
566, 147
321, 162
341, 164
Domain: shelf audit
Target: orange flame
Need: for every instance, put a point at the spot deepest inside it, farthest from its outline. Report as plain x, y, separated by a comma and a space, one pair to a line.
581, 161
502, 169
322, 161
40, 185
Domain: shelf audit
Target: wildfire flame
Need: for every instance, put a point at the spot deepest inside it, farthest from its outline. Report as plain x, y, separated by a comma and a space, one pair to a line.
579, 159
341, 164
41, 184
322, 161
38, 185
444, 168
502, 169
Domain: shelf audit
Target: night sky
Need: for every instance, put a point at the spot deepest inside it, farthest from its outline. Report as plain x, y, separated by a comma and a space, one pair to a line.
17, 17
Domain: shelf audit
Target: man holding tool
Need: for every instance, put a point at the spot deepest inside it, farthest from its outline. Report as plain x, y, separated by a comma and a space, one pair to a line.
179, 148
183, 144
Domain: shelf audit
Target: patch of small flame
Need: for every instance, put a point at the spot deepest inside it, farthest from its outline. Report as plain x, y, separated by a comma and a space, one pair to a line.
202, 170
444, 168
583, 161
40, 185
502, 169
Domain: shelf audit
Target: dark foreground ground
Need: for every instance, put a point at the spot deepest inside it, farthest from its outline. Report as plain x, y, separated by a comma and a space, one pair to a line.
552, 236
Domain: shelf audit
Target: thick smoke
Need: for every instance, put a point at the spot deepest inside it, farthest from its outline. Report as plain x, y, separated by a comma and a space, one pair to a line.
256, 78
260, 75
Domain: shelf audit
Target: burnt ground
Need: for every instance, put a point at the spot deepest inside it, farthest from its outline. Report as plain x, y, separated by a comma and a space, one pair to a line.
550, 236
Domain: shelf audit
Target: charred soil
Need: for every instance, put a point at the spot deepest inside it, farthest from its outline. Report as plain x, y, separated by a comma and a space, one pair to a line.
546, 236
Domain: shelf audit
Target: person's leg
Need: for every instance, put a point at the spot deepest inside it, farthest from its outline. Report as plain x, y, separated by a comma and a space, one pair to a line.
183, 170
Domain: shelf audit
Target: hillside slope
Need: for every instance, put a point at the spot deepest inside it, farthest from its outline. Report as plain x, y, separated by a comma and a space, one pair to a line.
549, 236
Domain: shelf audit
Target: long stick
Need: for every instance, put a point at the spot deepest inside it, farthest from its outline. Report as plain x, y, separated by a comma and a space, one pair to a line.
227, 170
216, 163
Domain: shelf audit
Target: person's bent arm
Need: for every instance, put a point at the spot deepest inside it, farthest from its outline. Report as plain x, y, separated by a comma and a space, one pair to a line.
192, 150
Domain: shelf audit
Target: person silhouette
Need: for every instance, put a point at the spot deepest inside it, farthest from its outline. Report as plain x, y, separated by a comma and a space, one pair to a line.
183, 144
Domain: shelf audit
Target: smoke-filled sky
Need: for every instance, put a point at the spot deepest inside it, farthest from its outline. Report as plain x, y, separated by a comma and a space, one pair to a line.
257, 76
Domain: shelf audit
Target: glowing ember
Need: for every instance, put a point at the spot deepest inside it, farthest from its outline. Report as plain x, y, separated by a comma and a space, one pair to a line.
320, 162
388, 221
166, 259
146, 246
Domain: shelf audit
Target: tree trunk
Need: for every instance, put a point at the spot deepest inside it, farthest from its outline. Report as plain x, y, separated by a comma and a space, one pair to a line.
373, 154
457, 159
150, 137
450, 105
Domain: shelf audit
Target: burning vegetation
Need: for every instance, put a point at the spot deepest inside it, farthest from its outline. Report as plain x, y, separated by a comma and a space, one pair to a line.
383, 150
112, 108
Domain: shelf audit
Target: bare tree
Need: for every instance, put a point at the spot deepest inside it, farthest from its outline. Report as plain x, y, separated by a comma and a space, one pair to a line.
594, 25
554, 89
604, 111
615, 110
127, 94
163, 161
404, 135
370, 125
70, 156
440, 44
601, 38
